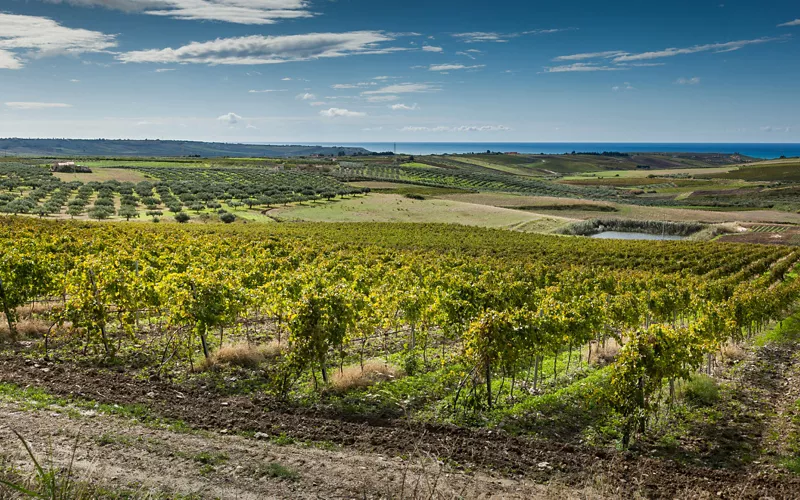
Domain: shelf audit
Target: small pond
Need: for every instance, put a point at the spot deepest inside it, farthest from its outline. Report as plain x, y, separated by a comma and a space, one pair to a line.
619, 235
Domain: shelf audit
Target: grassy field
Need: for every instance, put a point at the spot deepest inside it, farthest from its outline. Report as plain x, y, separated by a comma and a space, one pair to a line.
644, 173
555, 206
786, 171
102, 174
396, 208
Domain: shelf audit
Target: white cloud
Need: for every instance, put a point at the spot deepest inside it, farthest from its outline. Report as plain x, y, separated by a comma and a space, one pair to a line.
776, 129
164, 70
590, 55
31, 36
266, 91
75, 81
581, 68
403, 107
382, 98
431, 48
372, 129
796, 22
230, 118
250, 126
463, 128
232, 11
318, 103
688, 81
305, 97
344, 86
711, 47
494, 37
259, 49
404, 88
625, 86
623, 60
453, 67
37, 105
339, 112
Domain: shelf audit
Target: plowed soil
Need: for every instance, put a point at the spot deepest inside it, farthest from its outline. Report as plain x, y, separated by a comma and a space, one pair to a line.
482, 452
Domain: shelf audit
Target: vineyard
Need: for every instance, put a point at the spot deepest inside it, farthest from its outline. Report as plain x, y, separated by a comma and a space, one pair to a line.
451, 324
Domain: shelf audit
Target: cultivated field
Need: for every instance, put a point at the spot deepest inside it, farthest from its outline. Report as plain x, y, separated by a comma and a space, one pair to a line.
391, 328
397, 208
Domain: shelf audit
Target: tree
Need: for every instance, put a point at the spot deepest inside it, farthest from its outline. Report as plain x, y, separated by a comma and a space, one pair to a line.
182, 217
227, 217
127, 211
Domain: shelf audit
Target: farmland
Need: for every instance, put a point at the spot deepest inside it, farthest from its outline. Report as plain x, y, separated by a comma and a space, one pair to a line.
315, 317
308, 333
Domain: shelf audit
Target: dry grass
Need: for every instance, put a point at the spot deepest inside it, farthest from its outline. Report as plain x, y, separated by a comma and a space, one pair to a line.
732, 353
27, 328
604, 354
38, 309
243, 355
374, 372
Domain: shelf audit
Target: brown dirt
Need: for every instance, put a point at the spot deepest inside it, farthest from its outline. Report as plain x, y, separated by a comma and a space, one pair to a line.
474, 449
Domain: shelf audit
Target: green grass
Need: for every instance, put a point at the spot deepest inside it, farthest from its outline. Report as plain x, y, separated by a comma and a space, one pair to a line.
787, 330
33, 398
279, 471
395, 208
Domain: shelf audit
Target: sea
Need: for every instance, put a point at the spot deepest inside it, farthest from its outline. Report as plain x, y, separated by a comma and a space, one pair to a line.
755, 150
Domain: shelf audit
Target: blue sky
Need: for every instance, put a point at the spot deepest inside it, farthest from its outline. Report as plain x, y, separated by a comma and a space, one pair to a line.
367, 70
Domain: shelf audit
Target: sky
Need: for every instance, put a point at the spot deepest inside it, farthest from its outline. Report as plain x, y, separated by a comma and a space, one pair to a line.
306, 71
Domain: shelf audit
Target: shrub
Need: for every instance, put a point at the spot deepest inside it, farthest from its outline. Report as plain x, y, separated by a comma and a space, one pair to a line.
701, 390
227, 217
182, 217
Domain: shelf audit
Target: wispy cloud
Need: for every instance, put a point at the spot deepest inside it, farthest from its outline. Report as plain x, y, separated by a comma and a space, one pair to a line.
590, 55
463, 128
267, 91
796, 22
581, 68
688, 81
164, 70
37, 105
383, 98
339, 112
404, 88
615, 60
31, 36
710, 47
625, 86
305, 97
431, 48
495, 37
403, 107
453, 67
776, 129
251, 50
231, 11
345, 86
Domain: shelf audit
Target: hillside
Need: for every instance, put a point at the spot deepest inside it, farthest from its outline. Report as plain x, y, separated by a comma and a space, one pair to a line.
148, 148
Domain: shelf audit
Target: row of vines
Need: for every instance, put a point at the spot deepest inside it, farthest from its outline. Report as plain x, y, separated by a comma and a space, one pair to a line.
671, 305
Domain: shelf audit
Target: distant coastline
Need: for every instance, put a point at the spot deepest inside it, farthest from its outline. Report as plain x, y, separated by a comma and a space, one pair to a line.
755, 150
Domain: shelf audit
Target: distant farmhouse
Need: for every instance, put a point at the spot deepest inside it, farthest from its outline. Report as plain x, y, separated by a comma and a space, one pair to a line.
69, 167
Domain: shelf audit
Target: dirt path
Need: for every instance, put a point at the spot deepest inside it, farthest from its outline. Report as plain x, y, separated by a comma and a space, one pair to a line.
366, 441
115, 452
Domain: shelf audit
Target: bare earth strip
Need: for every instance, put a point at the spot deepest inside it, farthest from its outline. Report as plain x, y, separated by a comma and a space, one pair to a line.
116, 453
